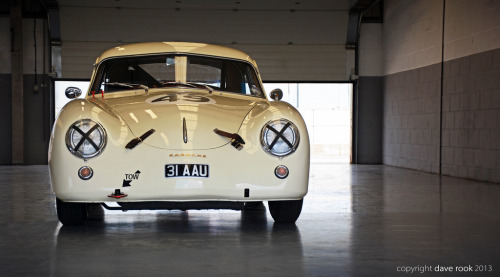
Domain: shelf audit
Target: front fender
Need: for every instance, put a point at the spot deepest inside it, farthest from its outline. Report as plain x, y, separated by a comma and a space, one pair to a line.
255, 121
117, 131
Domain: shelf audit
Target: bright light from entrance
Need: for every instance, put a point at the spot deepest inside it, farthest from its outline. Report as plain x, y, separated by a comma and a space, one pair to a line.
60, 97
326, 108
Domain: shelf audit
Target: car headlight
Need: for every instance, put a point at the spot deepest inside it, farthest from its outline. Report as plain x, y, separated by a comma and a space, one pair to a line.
280, 137
86, 138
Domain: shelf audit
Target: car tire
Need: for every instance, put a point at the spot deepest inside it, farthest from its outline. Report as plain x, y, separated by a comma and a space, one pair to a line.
285, 211
71, 213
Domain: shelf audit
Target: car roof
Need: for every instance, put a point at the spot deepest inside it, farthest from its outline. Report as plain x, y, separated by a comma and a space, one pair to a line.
174, 47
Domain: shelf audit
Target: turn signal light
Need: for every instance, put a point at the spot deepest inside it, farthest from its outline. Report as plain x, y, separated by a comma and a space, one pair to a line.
281, 171
85, 173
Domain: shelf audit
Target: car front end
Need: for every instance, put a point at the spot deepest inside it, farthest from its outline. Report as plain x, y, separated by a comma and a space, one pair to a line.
177, 144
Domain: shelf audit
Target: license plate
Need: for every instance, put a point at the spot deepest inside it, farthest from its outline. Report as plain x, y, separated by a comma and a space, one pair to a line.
186, 170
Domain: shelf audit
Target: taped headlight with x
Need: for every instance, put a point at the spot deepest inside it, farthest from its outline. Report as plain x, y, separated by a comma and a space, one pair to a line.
280, 137
86, 138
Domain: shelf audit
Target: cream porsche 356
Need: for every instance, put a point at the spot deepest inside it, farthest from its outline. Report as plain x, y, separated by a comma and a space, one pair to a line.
173, 125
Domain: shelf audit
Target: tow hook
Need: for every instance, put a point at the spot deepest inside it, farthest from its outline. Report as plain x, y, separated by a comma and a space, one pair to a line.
117, 194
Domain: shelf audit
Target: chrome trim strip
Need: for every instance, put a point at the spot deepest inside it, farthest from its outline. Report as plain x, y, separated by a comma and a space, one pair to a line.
184, 130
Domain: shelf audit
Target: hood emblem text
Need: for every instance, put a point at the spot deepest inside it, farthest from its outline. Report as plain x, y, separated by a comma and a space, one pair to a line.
188, 155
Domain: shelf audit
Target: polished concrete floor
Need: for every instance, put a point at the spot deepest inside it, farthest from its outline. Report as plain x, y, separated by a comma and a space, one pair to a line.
357, 221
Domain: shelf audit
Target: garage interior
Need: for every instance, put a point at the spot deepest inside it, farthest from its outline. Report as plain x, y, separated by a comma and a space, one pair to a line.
420, 194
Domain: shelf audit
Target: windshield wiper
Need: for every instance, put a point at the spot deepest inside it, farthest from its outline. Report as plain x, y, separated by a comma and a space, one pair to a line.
191, 84
203, 85
146, 88
181, 84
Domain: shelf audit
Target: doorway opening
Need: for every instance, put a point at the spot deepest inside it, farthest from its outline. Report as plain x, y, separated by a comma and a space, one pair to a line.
60, 98
327, 111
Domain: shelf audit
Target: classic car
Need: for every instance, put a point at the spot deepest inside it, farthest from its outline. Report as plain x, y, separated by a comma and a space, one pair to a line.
177, 126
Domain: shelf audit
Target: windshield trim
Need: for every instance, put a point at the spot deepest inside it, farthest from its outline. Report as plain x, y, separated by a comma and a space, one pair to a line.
95, 78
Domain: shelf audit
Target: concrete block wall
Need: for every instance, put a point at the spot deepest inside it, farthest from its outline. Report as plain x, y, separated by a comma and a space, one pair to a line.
412, 50
471, 90
462, 138
471, 117
411, 119
412, 32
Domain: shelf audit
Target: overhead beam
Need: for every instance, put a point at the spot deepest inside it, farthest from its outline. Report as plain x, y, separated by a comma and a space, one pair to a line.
16, 27
356, 14
352, 31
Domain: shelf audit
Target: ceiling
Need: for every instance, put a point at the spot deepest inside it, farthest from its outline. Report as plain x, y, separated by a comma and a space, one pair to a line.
38, 7
298, 5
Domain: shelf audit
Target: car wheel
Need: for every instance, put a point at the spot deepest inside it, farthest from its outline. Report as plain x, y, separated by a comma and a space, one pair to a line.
71, 213
285, 211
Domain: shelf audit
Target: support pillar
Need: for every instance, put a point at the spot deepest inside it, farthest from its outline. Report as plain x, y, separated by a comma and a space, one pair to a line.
16, 27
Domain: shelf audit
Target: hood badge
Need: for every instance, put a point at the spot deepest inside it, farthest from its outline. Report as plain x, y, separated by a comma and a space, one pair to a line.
184, 130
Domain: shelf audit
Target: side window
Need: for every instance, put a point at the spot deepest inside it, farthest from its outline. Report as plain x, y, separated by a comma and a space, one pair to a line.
118, 73
233, 79
241, 78
252, 82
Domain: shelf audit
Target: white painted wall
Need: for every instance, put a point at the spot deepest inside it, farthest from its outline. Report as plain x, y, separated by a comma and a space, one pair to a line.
413, 31
471, 27
412, 34
371, 61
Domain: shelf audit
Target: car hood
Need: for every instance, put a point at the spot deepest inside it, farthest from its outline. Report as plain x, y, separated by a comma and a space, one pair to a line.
183, 120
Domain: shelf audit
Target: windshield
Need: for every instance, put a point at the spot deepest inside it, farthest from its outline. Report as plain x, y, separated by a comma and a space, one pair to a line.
161, 71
